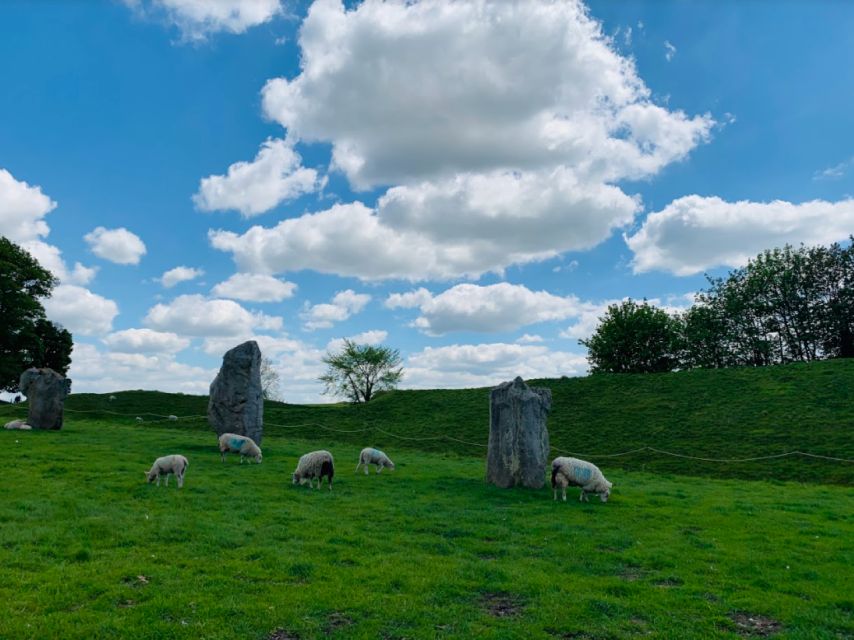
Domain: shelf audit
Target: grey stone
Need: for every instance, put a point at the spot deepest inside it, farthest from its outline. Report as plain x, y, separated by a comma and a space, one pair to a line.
236, 404
46, 391
518, 437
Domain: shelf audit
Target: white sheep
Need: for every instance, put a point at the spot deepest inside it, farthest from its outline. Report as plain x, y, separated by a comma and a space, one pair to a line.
316, 464
173, 417
138, 419
174, 464
239, 444
369, 455
579, 473
112, 398
18, 425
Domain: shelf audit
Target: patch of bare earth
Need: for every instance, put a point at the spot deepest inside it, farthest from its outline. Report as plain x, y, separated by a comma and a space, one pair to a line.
752, 625
501, 605
281, 634
336, 620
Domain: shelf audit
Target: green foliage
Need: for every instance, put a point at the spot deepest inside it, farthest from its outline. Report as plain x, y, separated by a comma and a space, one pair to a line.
358, 371
27, 338
90, 551
634, 338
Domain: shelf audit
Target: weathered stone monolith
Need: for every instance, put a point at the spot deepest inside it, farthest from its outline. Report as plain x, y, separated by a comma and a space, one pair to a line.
518, 437
236, 404
46, 391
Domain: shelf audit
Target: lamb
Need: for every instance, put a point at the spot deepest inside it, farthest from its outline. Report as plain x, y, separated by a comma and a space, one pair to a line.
316, 464
370, 455
579, 473
239, 444
174, 464
19, 425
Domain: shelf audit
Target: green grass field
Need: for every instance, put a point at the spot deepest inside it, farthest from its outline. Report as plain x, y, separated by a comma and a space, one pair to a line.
89, 550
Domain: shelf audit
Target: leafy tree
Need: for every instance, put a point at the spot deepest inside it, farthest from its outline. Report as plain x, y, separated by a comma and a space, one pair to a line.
634, 338
358, 371
27, 338
271, 386
703, 338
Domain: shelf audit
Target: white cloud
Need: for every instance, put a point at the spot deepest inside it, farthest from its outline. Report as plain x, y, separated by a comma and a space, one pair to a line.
343, 305
529, 339
275, 176
145, 341
80, 311
116, 245
408, 300
195, 315
50, 257
179, 274
478, 365
373, 337
669, 50
254, 287
199, 18
95, 371
695, 233
22, 209
835, 172
492, 308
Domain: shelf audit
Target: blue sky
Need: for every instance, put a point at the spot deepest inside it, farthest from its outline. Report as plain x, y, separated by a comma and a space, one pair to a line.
469, 182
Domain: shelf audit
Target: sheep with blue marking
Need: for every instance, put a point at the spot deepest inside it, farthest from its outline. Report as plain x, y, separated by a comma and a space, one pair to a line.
246, 447
317, 464
369, 455
579, 473
175, 465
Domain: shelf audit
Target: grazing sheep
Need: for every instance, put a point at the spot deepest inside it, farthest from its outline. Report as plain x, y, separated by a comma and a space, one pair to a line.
369, 455
138, 419
173, 417
112, 398
579, 473
238, 444
174, 464
316, 464
18, 425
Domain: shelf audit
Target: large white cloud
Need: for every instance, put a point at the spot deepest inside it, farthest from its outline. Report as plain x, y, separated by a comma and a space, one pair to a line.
145, 341
694, 233
179, 274
343, 305
195, 315
80, 311
254, 287
116, 245
372, 337
198, 18
275, 176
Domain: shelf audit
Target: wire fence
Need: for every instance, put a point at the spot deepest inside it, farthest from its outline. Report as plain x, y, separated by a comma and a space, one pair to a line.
157, 418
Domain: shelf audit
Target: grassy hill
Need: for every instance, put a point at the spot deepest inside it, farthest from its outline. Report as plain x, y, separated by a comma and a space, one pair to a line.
731, 413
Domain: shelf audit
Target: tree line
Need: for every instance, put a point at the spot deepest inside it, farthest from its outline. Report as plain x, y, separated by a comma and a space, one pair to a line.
785, 305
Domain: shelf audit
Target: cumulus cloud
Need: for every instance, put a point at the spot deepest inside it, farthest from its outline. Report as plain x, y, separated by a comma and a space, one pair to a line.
478, 365
695, 233
252, 188
254, 287
197, 19
80, 311
145, 341
408, 300
179, 274
373, 337
116, 245
195, 315
343, 305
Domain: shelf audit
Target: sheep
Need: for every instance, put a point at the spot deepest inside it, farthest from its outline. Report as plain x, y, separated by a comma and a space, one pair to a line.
239, 444
316, 464
138, 419
18, 425
369, 455
174, 464
579, 473
112, 398
173, 417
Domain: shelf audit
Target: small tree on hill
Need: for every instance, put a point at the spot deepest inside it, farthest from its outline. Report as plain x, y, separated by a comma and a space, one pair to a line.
271, 388
27, 338
358, 371
634, 338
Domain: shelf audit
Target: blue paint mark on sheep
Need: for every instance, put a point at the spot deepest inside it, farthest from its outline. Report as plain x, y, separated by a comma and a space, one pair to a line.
582, 473
234, 443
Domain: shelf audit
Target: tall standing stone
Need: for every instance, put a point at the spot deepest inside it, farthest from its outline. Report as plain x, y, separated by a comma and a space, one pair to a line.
46, 391
236, 404
518, 437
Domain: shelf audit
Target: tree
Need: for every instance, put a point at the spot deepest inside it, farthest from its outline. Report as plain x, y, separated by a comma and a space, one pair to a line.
358, 371
27, 338
634, 338
270, 381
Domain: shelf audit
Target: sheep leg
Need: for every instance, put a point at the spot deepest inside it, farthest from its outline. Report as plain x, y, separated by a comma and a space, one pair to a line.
554, 493
379, 468
582, 497
180, 480
358, 465
241, 458
158, 479
564, 494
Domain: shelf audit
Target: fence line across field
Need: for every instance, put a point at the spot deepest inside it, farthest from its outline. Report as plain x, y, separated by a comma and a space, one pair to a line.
775, 456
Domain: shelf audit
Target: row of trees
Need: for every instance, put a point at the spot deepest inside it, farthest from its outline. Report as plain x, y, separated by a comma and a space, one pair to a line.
27, 337
785, 305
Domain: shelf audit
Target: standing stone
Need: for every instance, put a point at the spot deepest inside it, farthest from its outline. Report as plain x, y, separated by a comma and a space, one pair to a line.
46, 391
236, 404
518, 437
